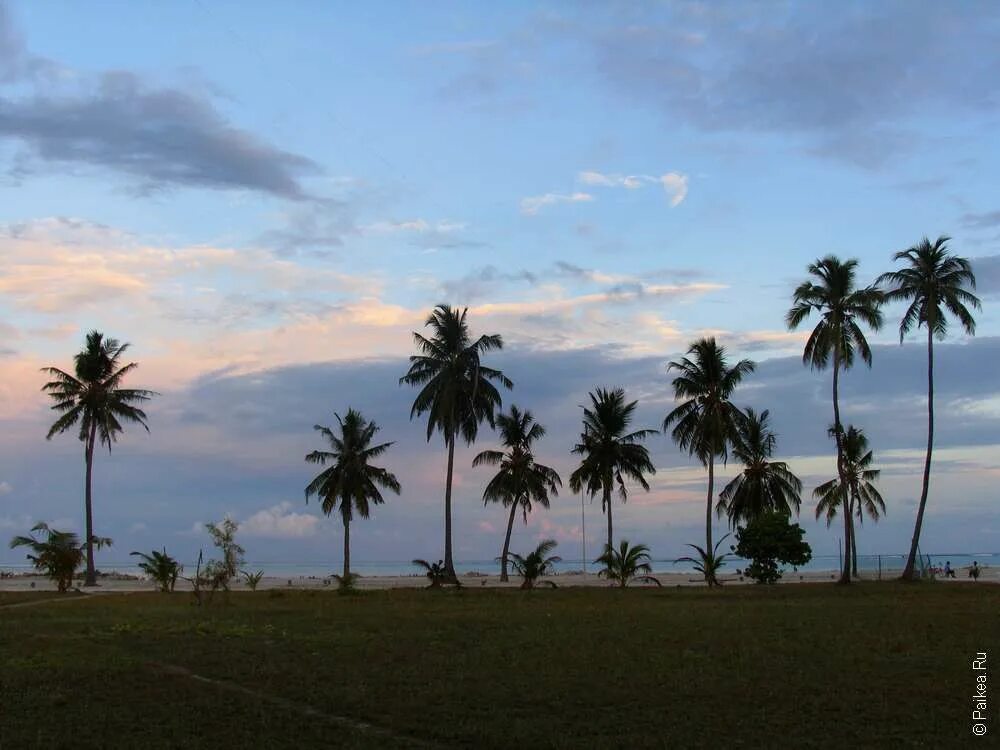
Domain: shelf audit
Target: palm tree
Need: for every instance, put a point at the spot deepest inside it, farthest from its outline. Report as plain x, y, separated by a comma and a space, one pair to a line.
520, 481
705, 424
457, 392
160, 567
535, 564
350, 481
610, 453
859, 480
626, 564
837, 336
934, 282
93, 397
764, 486
707, 563
435, 572
58, 554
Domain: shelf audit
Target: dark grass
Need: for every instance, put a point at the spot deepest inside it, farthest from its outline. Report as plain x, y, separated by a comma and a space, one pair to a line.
872, 665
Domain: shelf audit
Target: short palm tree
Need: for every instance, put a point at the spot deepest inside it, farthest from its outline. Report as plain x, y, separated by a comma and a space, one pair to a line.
862, 495
611, 454
160, 567
435, 572
457, 391
764, 486
58, 554
93, 398
706, 421
520, 481
628, 563
842, 307
535, 564
934, 282
350, 484
707, 563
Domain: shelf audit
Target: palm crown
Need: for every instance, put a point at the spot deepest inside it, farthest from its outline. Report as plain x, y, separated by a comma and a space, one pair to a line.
536, 563
859, 481
350, 480
457, 390
630, 562
764, 485
840, 305
93, 397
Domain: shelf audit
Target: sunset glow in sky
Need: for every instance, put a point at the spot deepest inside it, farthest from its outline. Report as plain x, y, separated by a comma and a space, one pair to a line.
267, 200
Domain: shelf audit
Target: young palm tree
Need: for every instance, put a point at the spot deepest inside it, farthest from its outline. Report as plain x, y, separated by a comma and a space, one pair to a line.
859, 481
351, 484
706, 422
626, 564
457, 391
764, 486
58, 554
93, 397
934, 282
610, 453
834, 296
520, 481
435, 572
535, 564
707, 563
160, 567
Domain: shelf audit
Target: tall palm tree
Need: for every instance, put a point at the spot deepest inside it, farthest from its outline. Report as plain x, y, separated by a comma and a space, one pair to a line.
457, 391
520, 481
764, 485
350, 484
93, 398
934, 282
705, 423
841, 307
610, 453
859, 480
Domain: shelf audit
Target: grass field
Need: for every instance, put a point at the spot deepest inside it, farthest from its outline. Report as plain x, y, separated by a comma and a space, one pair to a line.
873, 665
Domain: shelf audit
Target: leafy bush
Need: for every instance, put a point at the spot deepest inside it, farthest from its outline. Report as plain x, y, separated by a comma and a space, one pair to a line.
768, 541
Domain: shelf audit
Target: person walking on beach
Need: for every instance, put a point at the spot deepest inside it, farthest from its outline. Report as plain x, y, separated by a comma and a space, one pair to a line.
974, 571
948, 572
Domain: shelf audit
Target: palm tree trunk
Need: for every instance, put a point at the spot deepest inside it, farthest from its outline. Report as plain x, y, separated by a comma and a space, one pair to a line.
506, 544
911, 560
854, 541
91, 576
347, 550
607, 507
845, 573
449, 562
708, 508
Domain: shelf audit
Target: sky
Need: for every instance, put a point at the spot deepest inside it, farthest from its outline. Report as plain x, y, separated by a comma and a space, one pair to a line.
267, 201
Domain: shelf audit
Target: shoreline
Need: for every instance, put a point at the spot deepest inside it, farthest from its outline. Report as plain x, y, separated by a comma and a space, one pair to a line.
130, 584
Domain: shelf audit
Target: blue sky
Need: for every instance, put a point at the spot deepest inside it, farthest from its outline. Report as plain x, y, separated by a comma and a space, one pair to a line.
258, 198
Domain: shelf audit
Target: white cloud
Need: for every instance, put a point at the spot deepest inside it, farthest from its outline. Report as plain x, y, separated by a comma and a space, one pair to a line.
5, 488
279, 522
138, 528
533, 204
674, 183
415, 225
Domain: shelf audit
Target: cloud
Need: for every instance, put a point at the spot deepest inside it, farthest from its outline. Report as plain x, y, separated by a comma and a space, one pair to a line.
674, 184
987, 270
5, 488
532, 205
158, 136
986, 220
280, 522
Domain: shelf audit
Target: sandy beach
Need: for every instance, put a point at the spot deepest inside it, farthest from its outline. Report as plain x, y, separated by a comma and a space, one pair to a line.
127, 584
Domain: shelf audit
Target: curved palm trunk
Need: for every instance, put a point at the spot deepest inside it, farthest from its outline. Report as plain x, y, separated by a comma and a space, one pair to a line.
449, 562
845, 573
854, 538
347, 549
607, 508
708, 513
91, 576
506, 544
911, 560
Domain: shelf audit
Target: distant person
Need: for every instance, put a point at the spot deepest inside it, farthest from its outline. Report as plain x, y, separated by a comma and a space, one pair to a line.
974, 571
948, 572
